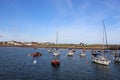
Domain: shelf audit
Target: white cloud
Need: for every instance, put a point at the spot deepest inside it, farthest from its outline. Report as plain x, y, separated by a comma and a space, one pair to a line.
1, 36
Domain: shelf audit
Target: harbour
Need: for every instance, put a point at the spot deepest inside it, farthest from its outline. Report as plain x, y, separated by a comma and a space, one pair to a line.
16, 65
59, 40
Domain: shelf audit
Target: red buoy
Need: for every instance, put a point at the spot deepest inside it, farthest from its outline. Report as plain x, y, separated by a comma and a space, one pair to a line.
55, 62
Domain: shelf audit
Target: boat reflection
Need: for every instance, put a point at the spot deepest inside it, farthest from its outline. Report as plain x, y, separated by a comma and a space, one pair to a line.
101, 67
82, 56
117, 63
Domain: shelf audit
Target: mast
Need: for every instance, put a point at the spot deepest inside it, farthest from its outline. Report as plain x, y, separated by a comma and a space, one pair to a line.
105, 34
57, 37
104, 37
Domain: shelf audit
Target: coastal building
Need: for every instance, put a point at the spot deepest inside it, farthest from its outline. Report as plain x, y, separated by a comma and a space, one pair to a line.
27, 43
14, 43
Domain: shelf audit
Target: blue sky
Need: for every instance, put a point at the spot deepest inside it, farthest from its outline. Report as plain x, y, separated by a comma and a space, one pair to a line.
77, 20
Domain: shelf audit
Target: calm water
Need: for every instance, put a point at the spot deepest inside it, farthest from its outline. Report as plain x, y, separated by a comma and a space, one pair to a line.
16, 65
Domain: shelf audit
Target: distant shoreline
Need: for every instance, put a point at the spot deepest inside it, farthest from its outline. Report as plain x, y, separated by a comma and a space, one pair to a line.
89, 47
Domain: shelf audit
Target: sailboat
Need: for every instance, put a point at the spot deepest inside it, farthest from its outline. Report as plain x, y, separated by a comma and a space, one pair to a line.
55, 62
70, 52
100, 58
83, 53
56, 52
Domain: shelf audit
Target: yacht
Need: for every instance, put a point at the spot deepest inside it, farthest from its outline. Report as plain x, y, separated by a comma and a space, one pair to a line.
100, 57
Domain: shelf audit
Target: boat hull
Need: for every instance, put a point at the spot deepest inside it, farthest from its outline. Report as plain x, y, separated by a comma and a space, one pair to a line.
70, 53
99, 61
55, 62
56, 53
82, 54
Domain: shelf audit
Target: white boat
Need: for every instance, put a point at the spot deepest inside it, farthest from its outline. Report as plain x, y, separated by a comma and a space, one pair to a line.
50, 50
82, 54
101, 59
70, 53
56, 53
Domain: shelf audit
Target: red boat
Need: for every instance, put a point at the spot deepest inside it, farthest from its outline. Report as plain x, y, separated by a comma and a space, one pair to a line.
55, 62
36, 54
